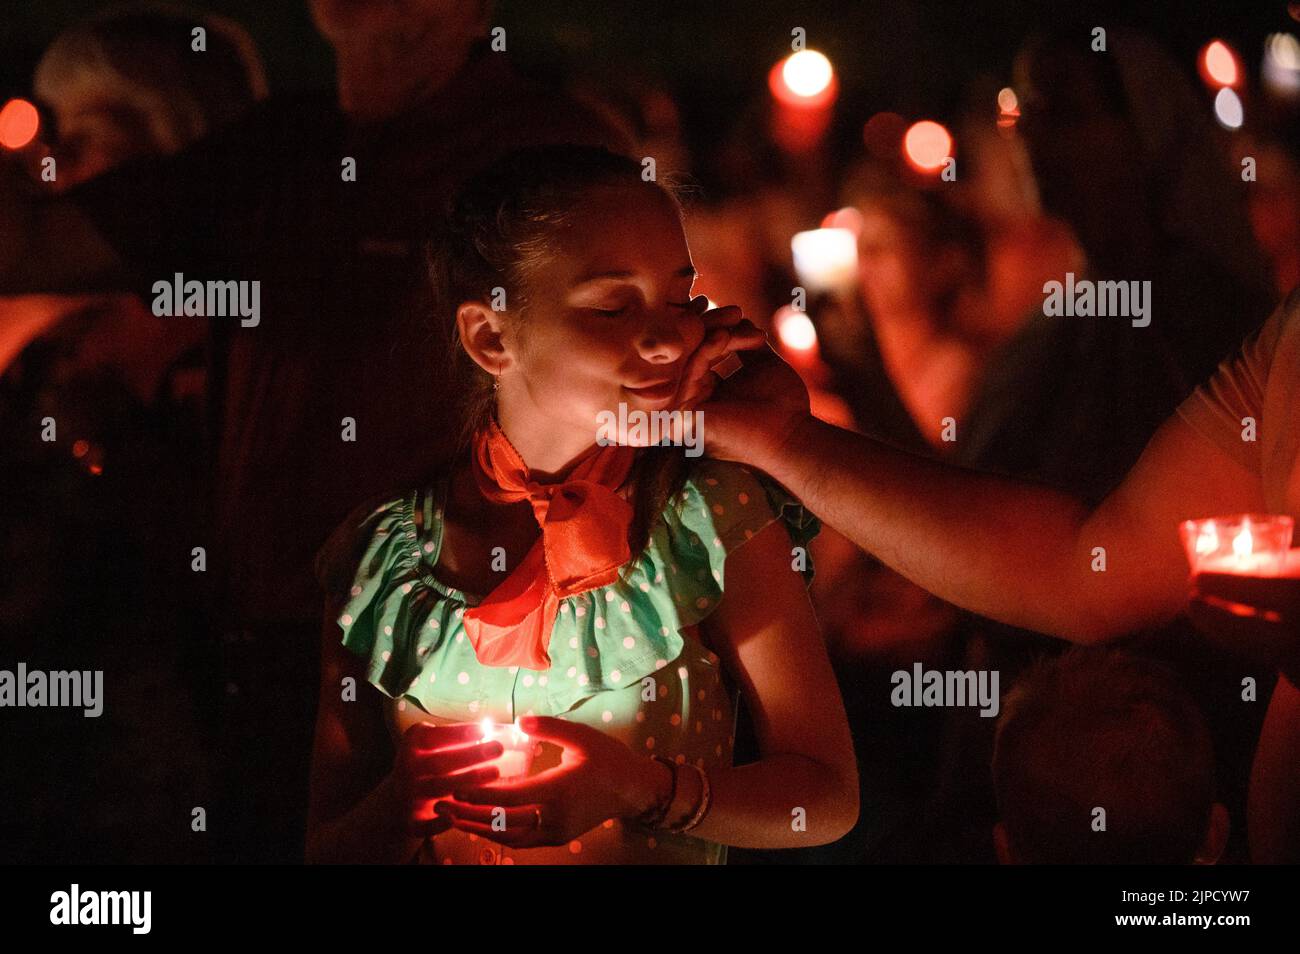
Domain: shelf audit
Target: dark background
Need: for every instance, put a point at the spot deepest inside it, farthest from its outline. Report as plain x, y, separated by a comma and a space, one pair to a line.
914, 57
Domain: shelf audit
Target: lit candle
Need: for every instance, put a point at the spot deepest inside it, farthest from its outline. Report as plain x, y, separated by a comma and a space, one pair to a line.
826, 260
1244, 544
517, 758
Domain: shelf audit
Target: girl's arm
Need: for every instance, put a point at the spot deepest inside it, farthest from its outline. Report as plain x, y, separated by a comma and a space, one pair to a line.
355, 811
804, 790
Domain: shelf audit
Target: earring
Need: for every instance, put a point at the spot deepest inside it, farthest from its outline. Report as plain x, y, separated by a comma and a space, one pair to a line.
496, 384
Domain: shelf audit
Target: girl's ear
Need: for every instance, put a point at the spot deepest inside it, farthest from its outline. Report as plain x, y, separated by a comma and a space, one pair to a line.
480, 335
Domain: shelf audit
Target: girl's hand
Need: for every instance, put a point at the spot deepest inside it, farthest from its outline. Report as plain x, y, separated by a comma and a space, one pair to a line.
598, 778
430, 763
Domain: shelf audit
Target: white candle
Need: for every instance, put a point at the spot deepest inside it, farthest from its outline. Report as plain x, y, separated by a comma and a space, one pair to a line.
517, 758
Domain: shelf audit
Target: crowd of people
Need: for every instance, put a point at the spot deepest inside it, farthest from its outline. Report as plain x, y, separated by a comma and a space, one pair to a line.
459, 268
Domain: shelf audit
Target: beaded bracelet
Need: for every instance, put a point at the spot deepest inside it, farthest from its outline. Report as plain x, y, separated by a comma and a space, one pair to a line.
702, 809
654, 816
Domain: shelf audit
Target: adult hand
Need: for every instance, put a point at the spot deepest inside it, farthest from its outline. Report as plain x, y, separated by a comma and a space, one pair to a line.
598, 778
1257, 616
753, 410
430, 763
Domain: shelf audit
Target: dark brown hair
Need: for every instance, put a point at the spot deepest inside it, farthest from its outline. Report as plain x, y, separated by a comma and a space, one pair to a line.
495, 234
1097, 727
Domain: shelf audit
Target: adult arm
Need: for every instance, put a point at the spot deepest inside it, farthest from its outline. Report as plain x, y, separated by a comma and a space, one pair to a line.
1012, 550
1004, 548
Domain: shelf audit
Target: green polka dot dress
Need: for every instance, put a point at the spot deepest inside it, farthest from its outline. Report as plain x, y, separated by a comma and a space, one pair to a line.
626, 658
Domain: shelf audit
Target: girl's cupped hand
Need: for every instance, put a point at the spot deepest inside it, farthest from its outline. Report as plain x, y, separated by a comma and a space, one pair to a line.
598, 778
432, 760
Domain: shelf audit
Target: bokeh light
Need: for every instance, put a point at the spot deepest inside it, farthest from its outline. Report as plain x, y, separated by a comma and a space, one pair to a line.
795, 329
826, 259
19, 122
1228, 109
807, 73
804, 79
1280, 71
927, 146
1219, 64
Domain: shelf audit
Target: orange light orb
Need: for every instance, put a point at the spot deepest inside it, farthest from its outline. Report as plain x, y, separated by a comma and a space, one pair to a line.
927, 146
19, 122
1219, 65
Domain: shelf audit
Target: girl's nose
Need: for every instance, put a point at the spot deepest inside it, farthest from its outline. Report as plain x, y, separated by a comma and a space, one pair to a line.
660, 340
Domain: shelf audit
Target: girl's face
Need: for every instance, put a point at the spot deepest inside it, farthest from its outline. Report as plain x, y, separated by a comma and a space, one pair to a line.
610, 318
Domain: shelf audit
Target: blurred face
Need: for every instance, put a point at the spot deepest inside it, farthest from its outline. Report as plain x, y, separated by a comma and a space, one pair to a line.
96, 133
356, 19
1082, 151
890, 268
609, 319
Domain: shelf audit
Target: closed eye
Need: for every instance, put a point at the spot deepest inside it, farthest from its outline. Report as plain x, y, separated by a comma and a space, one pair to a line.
615, 312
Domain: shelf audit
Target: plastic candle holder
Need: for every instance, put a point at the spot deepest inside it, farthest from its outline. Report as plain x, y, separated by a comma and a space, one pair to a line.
517, 759
1246, 544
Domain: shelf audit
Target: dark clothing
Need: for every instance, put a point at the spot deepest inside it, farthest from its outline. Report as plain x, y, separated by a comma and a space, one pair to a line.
1072, 401
339, 266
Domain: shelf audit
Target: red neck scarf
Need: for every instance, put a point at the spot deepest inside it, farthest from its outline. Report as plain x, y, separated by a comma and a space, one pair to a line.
583, 544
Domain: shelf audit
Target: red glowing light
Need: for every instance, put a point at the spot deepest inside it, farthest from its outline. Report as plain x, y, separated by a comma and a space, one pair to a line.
18, 123
927, 146
845, 218
1219, 64
79, 448
805, 79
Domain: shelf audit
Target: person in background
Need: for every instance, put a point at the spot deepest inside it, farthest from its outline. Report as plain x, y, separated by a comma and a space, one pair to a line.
324, 200
96, 522
1125, 161
1101, 757
1031, 556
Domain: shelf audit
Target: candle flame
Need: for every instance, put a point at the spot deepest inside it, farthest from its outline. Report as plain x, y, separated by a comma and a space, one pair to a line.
1207, 541
1243, 544
517, 735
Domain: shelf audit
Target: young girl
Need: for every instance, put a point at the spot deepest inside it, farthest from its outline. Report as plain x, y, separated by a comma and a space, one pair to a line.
609, 600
